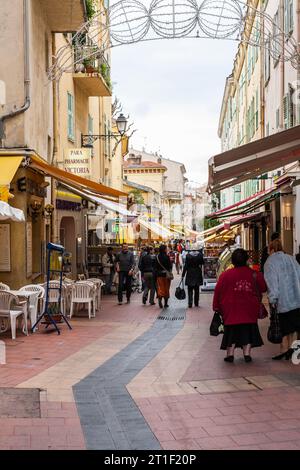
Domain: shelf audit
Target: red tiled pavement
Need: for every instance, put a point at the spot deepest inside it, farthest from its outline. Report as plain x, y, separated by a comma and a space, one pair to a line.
256, 419
245, 420
59, 426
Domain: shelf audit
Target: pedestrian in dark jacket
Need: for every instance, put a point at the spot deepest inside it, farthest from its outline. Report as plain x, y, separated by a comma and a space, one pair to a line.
163, 266
194, 279
125, 266
146, 266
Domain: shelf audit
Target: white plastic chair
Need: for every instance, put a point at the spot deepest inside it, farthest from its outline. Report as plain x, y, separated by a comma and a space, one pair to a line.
98, 285
4, 286
34, 300
11, 308
83, 292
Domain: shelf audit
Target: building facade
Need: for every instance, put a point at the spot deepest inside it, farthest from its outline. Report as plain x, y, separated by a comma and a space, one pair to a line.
260, 99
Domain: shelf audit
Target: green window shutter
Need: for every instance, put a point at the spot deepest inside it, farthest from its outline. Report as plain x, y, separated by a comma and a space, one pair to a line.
71, 122
286, 111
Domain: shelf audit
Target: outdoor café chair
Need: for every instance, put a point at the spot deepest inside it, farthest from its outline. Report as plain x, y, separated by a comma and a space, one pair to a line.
34, 300
83, 292
11, 308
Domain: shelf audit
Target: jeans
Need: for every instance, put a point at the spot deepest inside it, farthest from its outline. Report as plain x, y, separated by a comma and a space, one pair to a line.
149, 286
108, 282
193, 291
124, 281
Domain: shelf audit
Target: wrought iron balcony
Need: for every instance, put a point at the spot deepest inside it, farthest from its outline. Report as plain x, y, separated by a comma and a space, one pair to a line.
91, 70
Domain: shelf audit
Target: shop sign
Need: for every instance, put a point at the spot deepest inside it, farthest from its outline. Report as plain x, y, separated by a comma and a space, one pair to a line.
78, 162
68, 205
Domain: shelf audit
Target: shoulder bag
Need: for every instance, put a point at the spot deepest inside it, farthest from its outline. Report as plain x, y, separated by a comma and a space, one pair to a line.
263, 312
169, 274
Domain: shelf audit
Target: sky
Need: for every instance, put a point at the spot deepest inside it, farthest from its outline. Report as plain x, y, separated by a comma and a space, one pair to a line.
173, 90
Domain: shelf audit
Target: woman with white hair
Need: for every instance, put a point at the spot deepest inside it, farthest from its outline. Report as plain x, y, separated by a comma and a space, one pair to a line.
282, 275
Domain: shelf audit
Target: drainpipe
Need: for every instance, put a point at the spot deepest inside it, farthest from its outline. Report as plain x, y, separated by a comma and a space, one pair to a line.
26, 104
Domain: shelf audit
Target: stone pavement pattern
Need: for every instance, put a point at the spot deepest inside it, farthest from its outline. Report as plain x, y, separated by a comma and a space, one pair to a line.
128, 380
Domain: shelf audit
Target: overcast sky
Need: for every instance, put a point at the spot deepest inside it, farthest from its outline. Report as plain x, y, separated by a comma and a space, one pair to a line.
173, 91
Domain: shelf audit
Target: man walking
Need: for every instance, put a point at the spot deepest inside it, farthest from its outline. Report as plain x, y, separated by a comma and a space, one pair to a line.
125, 266
108, 263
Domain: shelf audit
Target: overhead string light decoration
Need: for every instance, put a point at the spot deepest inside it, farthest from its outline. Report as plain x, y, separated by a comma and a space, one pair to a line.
131, 21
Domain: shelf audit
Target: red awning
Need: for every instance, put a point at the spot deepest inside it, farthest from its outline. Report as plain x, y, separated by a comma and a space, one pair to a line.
256, 158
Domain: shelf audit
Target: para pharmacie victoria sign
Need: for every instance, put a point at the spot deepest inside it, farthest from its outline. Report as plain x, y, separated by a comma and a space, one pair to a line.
78, 162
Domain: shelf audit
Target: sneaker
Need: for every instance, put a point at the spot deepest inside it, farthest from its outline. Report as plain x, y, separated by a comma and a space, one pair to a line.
248, 358
152, 303
120, 303
144, 301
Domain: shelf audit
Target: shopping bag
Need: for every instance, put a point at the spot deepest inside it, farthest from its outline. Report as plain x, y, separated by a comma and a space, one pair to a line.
274, 332
216, 326
180, 292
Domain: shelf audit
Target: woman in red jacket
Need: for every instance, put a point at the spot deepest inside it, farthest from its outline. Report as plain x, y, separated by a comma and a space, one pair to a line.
237, 300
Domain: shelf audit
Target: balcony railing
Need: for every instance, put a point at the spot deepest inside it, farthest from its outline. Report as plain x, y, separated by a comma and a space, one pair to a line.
90, 63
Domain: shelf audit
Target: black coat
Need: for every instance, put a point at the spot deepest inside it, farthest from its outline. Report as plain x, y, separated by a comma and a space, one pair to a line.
193, 270
163, 264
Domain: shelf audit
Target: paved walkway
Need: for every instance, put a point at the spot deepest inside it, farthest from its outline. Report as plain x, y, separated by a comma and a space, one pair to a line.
136, 377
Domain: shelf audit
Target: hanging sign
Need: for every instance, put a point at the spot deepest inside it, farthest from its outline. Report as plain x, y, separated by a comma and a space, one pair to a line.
78, 162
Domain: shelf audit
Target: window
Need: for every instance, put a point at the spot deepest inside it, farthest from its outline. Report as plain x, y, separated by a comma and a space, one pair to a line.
267, 59
288, 16
277, 118
71, 121
277, 38
237, 193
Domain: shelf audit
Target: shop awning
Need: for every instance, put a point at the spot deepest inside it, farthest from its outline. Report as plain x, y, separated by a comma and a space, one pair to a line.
73, 180
256, 158
109, 205
247, 205
8, 212
157, 229
8, 169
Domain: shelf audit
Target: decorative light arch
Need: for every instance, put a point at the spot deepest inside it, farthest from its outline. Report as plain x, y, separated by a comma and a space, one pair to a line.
130, 21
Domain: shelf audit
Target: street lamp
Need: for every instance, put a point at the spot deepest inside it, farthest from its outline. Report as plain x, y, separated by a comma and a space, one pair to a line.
87, 141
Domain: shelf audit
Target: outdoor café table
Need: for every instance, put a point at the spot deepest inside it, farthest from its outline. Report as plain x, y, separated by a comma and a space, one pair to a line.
24, 295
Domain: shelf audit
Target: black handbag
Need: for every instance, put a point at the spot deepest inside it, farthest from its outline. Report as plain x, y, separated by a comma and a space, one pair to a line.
274, 331
180, 292
216, 326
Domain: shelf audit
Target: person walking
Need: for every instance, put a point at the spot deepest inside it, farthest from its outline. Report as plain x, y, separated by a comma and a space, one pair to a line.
125, 269
194, 279
146, 267
282, 274
171, 254
236, 299
178, 263
108, 263
163, 275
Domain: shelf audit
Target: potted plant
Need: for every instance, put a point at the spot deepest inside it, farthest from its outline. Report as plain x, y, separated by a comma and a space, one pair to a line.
55, 313
89, 65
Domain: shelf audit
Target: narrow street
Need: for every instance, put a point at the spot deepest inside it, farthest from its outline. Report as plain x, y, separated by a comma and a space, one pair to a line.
136, 377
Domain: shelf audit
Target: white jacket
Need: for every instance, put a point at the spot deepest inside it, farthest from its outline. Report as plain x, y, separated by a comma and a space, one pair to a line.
107, 265
282, 275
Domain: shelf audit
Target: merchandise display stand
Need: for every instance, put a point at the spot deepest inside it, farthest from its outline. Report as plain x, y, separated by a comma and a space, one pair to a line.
55, 255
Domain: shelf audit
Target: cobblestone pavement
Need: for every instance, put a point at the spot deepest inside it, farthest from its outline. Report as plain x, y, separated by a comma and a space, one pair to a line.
136, 377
